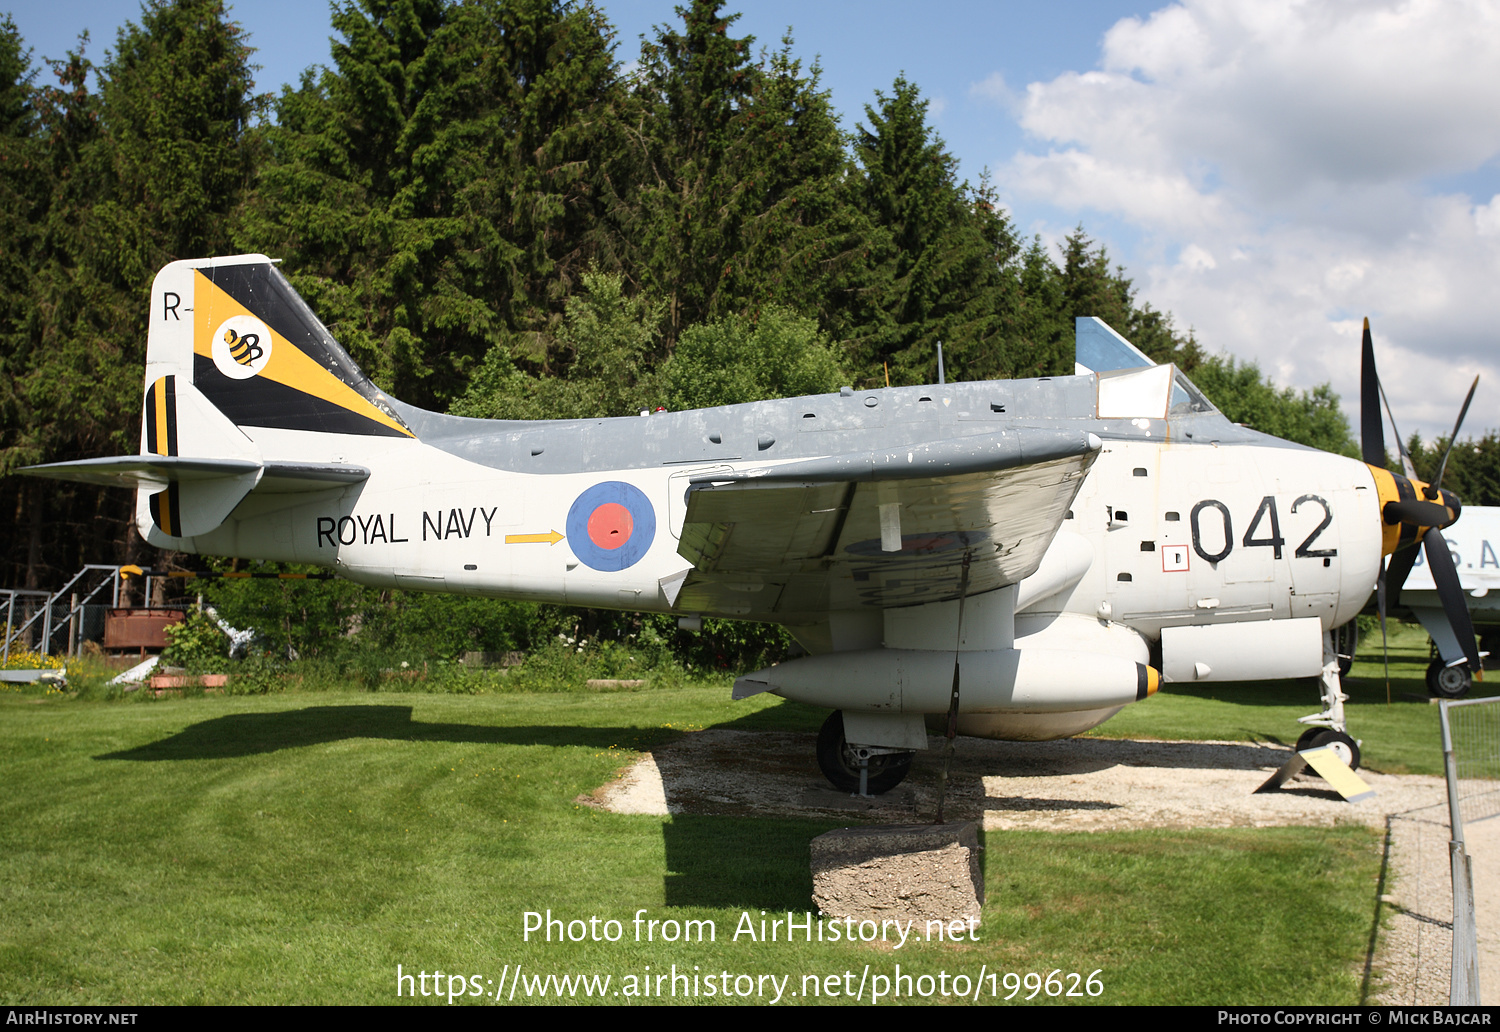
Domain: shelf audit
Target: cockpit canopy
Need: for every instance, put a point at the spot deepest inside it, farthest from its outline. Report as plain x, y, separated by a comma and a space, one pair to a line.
1130, 384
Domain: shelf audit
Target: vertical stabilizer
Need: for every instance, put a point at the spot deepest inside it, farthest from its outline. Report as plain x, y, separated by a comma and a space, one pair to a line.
233, 351
236, 330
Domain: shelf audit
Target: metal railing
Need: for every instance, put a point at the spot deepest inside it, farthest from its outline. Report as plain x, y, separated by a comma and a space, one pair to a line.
31, 606
1471, 763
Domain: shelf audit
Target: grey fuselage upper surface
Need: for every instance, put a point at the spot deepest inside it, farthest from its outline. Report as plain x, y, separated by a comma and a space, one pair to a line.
798, 428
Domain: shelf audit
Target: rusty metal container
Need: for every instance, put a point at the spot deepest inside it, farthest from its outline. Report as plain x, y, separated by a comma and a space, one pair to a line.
140, 628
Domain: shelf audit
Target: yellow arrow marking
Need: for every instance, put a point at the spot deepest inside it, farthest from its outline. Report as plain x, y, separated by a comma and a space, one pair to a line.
551, 538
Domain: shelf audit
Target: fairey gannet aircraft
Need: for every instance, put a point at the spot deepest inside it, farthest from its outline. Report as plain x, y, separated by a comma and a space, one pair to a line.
1066, 543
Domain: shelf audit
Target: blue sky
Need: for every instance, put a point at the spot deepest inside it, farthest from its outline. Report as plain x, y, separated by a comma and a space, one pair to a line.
1269, 171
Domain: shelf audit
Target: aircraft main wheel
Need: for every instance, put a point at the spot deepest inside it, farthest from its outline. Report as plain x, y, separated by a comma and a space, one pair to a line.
1344, 747
1304, 741
840, 765
1448, 682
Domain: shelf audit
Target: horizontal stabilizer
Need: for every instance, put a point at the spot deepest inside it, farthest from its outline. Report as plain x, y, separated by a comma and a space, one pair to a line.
182, 497
152, 471
281, 477
149, 471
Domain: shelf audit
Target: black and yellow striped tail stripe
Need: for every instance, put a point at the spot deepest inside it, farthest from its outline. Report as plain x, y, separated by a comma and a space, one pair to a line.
166, 511
161, 416
161, 439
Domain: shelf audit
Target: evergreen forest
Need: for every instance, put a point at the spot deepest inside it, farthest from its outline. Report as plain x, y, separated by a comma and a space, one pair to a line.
500, 210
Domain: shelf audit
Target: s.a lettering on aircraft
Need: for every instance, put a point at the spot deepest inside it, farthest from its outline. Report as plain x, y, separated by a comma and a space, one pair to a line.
1012, 559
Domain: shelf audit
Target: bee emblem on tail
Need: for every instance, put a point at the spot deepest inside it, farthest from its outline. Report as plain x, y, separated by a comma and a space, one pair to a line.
243, 349
241, 346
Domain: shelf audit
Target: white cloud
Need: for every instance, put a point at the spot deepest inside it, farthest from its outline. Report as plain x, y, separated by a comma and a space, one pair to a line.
994, 89
1273, 157
1196, 259
1487, 217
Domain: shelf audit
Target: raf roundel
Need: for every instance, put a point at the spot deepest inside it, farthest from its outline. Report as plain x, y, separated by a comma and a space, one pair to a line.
611, 526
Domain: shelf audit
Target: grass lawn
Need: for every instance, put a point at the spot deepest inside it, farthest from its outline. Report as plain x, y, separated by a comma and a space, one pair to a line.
298, 847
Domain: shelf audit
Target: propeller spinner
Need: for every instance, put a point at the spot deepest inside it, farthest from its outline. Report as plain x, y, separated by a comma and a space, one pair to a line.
1409, 508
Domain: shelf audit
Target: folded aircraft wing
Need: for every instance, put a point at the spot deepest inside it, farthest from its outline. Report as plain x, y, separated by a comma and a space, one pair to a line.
879, 529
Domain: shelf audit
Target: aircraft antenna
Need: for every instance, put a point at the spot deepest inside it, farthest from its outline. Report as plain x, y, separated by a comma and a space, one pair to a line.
941, 379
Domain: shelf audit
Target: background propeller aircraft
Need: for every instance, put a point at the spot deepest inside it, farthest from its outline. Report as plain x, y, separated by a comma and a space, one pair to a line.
1473, 543
1026, 557
1410, 508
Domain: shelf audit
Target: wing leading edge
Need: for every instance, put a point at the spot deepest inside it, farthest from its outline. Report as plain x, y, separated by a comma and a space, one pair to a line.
817, 535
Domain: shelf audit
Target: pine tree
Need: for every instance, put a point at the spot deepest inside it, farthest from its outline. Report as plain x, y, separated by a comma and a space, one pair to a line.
144, 172
22, 193
937, 256
733, 191
1089, 287
433, 193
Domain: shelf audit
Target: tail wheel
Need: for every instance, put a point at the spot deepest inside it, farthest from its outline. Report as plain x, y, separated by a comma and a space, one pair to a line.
1344, 747
839, 761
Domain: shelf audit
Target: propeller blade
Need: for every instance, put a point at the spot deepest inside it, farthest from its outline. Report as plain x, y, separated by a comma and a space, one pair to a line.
1437, 481
1401, 564
1407, 466
1445, 577
1417, 513
1371, 427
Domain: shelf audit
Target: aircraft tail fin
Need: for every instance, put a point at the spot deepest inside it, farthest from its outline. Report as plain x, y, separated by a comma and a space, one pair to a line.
177, 495
234, 359
236, 330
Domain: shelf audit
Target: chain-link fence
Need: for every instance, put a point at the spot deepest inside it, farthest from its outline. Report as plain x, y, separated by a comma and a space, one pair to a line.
1474, 729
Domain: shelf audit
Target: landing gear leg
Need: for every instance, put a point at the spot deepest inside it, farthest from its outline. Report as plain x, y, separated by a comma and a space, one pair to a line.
1328, 727
1345, 642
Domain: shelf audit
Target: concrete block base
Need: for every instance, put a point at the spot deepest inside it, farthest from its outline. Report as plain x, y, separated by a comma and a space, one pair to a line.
921, 873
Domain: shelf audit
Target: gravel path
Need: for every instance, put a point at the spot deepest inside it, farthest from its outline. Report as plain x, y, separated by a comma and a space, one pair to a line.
1101, 785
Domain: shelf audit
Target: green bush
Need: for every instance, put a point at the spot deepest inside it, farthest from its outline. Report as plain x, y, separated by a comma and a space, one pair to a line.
196, 644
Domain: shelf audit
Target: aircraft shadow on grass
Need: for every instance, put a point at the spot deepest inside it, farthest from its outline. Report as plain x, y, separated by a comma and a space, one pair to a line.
769, 866
251, 734
770, 870
740, 862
